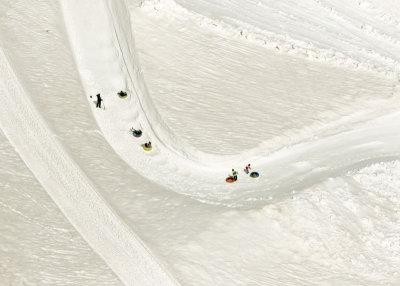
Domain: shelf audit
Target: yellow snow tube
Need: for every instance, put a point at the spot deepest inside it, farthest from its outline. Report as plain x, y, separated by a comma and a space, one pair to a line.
147, 148
123, 95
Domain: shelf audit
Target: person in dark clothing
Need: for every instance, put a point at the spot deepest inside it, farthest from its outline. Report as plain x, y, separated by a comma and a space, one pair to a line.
137, 133
122, 93
99, 99
147, 145
234, 173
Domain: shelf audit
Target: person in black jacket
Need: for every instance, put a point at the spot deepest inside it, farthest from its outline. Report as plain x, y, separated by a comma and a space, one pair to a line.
99, 99
123, 93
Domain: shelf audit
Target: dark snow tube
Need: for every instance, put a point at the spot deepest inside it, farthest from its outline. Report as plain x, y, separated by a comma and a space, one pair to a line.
230, 180
254, 174
137, 133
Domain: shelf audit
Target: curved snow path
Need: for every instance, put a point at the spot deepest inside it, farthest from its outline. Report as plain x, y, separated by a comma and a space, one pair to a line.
313, 162
107, 61
73, 192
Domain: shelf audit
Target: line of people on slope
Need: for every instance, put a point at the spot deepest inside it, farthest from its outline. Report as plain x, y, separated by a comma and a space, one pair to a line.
138, 133
148, 144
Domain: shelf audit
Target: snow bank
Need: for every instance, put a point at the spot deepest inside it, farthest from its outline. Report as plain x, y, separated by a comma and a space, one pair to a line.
281, 26
73, 192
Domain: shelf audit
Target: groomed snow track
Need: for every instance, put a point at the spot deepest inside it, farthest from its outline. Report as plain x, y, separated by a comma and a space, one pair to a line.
73, 192
107, 61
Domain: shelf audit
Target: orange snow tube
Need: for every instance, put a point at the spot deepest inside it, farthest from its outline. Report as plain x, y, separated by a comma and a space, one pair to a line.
230, 180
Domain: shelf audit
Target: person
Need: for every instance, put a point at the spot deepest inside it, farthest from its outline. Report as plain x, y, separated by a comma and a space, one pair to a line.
247, 169
99, 99
137, 133
234, 173
147, 145
122, 93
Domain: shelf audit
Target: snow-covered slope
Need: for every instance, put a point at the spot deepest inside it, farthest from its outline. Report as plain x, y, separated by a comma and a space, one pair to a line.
196, 172
55, 167
320, 214
352, 32
234, 94
73, 192
38, 244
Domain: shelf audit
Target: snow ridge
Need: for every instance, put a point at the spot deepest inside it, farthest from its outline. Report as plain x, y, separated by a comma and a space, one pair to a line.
380, 13
235, 28
72, 191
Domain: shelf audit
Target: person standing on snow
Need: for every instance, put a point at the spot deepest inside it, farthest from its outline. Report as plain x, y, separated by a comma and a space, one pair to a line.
234, 173
247, 169
99, 99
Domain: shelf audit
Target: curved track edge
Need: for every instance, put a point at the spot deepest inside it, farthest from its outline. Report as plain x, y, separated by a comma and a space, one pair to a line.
72, 191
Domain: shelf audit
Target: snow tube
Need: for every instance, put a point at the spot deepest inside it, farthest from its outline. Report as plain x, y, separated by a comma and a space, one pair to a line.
137, 133
230, 180
147, 148
254, 174
123, 95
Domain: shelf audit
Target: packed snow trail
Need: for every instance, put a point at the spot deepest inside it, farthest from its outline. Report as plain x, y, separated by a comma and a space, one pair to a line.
73, 192
108, 63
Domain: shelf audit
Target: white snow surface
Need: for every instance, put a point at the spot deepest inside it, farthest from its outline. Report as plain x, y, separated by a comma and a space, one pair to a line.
38, 245
356, 32
305, 91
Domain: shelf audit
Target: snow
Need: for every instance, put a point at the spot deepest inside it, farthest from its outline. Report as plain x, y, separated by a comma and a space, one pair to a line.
201, 86
71, 189
338, 232
327, 30
213, 85
38, 245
